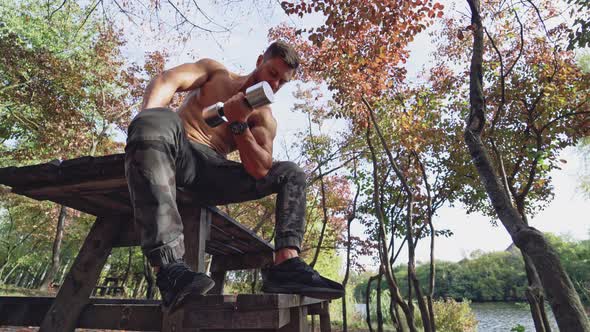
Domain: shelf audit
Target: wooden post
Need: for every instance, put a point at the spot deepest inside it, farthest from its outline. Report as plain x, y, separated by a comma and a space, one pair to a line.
218, 277
197, 222
298, 322
78, 285
325, 317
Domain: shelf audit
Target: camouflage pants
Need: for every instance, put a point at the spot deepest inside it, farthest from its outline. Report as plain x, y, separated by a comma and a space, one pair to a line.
159, 158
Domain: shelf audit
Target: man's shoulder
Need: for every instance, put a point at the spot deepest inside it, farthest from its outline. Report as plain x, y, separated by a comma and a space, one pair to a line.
213, 67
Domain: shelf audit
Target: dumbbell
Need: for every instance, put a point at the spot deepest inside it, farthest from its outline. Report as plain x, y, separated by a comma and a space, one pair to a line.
257, 95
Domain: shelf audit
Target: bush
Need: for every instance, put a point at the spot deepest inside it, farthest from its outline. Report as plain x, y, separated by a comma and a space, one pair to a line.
453, 316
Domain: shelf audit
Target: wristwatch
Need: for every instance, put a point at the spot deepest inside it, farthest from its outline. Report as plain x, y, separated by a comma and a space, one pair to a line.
237, 127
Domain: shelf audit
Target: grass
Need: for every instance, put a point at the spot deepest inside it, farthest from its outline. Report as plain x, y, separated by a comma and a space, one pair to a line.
10, 290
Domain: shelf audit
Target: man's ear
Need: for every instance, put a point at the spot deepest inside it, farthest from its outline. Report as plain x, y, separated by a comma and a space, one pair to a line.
259, 60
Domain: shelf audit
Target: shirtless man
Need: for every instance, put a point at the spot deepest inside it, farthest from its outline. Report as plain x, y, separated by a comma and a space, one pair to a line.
166, 149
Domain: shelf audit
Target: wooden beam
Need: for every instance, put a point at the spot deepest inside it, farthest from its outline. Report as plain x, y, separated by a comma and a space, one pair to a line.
78, 285
115, 314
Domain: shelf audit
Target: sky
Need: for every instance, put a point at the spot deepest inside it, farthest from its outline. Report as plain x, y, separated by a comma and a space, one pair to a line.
238, 50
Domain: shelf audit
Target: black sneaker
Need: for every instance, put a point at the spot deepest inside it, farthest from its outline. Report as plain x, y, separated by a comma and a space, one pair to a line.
294, 276
176, 281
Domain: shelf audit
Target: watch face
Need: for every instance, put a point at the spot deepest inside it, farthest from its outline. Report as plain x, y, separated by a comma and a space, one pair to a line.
238, 128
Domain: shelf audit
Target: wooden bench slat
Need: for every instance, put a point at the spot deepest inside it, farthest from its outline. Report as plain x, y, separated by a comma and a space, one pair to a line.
222, 312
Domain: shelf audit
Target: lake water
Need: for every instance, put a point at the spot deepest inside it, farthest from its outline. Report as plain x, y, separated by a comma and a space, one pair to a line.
499, 316
502, 316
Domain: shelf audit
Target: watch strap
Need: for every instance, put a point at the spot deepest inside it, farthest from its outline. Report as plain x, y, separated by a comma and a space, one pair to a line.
238, 127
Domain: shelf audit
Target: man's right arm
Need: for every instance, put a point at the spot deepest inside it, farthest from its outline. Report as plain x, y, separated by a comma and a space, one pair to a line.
185, 77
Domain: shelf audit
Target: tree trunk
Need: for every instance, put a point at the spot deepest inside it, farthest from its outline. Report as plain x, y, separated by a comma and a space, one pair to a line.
324, 222
534, 291
383, 252
5, 278
149, 278
138, 287
379, 307
398, 317
21, 278
64, 270
254, 281
424, 313
351, 216
368, 303
346, 275
128, 267
56, 250
534, 295
39, 276
564, 300
5, 264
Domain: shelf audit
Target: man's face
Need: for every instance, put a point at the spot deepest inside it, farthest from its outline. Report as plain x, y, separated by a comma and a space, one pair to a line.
274, 71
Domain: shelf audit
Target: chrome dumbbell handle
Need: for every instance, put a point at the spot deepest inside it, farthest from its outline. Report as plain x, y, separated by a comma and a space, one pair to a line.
257, 95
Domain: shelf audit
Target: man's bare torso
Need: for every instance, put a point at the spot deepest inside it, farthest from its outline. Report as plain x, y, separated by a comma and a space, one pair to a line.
219, 87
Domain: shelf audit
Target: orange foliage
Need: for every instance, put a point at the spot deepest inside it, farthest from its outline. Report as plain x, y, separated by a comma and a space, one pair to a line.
360, 48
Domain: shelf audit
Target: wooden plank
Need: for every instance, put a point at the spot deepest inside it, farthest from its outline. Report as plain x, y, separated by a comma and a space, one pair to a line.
127, 314
241, 262
94, 167
211, 312
78, 285
217, 248
261, 301
240, 244
121, 317
196, 223
88, 187
23, 311
130, 236
19, 176
218, 215
198, 318
235, 231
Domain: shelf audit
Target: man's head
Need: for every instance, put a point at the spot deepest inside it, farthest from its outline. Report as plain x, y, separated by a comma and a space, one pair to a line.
277, 65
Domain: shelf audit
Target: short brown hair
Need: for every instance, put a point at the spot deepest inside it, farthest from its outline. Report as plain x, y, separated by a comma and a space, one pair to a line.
284, 51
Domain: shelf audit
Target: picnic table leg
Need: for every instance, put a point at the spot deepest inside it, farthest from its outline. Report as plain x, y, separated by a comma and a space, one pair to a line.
325, 317
196, 223
75, 291
219, 278
298, 321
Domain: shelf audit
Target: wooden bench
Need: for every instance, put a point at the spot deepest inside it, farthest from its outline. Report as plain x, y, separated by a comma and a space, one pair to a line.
109, 287
97, 185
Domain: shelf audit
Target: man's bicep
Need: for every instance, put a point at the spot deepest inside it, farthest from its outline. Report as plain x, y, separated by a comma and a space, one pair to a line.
264, 135
190, 76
